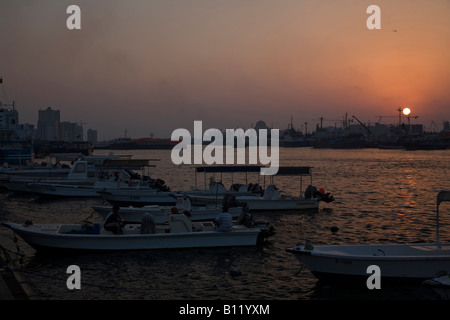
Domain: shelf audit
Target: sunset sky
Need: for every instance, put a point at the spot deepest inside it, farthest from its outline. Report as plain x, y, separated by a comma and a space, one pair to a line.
149, 66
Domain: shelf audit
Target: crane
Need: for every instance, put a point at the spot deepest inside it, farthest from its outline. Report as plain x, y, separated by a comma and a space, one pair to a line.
364, 126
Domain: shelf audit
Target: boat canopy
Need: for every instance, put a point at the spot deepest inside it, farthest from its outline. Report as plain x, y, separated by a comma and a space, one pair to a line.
229, 168
294, 171
282, 171
443, 196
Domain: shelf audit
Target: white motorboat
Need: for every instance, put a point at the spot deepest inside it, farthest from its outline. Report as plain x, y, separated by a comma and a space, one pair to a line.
179, 232
396, 261
271, 198
115, 175
62, 190
81, 173
90, 189
417, 261
160, 213
216, 191
137, 197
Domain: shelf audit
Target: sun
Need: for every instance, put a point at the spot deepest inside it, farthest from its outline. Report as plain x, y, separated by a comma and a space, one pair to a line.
406, 111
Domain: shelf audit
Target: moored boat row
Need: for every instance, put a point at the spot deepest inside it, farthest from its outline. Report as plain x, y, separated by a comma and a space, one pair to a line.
115, 183
140, 199
191, 225
184, 229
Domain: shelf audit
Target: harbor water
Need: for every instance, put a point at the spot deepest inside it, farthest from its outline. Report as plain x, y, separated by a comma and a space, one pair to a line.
381, 196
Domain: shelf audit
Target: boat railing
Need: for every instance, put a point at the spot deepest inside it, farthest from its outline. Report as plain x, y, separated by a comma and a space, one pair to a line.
226, 169
282, 171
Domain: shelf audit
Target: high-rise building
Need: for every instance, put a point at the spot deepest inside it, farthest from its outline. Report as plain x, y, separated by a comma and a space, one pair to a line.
92, 136
71, 131
48, 124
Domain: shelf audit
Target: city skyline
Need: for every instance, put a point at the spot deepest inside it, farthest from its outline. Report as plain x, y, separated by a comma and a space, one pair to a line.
153, 67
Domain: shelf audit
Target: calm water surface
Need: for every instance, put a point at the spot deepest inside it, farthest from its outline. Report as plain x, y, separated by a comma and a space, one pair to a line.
382, 196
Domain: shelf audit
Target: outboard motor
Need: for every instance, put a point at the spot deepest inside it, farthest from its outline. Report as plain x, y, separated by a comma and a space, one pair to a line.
230, 201
235, 187
217, 187
246, 219
327, 197
184, 204
312, 192
271, 193
161, 185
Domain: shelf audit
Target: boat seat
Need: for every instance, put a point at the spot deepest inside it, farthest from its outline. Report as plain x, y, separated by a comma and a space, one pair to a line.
180, 223
203, 226
271, 193
69, 228
162, 228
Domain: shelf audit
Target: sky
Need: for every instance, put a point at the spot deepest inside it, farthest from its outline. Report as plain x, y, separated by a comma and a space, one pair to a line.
151, 66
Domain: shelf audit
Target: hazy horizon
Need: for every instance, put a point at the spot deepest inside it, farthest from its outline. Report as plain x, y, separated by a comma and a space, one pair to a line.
155, 66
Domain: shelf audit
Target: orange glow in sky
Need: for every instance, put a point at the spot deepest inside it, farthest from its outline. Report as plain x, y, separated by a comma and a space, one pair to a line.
154, 66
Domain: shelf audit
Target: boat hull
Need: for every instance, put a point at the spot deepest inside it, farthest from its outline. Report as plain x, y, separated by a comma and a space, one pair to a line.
256, 203
406, 262
281, 204
138, 198
48, 239
134, 215
63, 190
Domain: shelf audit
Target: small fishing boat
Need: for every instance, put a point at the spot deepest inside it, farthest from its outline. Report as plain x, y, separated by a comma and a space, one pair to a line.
134, 214
271, 199
113, 175
82, 173
62, 190
82, 190
417, 261
216, 190
137, 197
85, 173
179, 232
